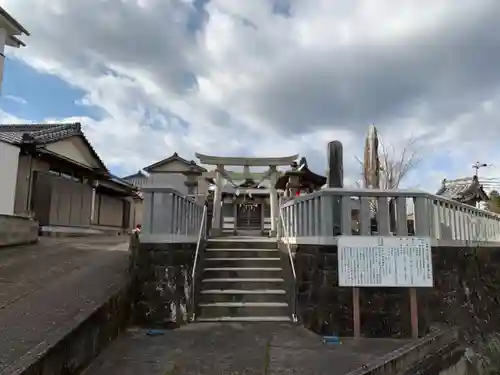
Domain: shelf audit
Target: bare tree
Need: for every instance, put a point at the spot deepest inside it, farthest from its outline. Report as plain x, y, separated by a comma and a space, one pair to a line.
394, 165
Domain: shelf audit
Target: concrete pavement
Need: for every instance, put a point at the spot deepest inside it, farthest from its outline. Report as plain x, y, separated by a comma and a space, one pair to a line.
236, 349
46, 289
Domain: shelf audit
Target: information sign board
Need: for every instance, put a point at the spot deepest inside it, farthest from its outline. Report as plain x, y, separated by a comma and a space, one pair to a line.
373, 261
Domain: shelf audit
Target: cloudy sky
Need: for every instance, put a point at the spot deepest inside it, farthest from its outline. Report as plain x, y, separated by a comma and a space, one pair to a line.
264, 77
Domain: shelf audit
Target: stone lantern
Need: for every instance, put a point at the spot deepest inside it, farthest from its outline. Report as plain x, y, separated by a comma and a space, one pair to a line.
293, 185
191, 182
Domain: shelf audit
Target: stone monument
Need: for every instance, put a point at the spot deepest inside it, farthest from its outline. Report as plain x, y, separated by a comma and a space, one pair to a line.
335, 165
336, 180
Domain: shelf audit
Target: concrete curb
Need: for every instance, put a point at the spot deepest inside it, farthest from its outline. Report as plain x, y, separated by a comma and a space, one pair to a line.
402, 359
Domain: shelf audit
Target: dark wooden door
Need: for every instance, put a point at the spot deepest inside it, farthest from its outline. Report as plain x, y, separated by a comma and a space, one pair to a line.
249, 217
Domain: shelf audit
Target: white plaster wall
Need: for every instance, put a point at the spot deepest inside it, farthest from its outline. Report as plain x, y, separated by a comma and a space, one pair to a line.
137, 181
172, 180
9, 160
74, 148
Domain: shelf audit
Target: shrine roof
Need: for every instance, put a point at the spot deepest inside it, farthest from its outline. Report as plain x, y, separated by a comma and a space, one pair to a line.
306, 177
463, 190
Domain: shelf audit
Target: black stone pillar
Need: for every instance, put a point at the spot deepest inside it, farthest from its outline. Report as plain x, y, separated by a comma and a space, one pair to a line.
335, 179
335, 165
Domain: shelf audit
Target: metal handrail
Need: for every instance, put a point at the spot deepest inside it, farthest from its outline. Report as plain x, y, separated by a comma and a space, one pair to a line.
201, 234
292, 263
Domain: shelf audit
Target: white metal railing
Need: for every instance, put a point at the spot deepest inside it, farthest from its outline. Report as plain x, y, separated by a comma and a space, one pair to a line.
282, 229
202, 234
170, 216
321, 216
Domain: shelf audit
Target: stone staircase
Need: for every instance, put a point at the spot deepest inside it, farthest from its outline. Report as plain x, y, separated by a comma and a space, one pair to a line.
242, 281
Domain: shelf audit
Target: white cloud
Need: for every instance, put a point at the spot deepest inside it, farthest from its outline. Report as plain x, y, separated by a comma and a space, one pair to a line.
237, 78
16, 99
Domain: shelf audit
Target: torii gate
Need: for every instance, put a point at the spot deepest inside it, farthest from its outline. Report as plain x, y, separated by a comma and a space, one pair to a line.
246, 162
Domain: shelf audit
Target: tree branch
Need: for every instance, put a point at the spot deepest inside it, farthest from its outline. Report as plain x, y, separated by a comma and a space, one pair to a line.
394, 166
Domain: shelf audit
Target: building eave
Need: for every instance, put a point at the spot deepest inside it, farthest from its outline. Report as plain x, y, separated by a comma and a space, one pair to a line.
13, 23
51, 133
12, 41
174, 157
110, 182
87, 143
134, 175
13, 144
44, 151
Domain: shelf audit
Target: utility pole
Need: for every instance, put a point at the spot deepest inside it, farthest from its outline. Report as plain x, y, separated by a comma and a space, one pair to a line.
478, 166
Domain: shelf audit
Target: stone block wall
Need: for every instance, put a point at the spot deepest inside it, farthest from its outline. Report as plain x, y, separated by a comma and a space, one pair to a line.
162, 283
466, 290
17, 230
71, 354
466, 293
322, 305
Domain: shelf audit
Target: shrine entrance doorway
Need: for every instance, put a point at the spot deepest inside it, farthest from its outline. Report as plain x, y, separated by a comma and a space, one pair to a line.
249, 217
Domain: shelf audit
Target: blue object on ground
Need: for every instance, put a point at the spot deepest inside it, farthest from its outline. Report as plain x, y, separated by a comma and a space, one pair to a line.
155, 332
331, 340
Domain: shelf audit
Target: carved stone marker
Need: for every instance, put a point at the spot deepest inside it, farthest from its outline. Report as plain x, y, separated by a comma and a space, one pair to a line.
335, 165
335, 179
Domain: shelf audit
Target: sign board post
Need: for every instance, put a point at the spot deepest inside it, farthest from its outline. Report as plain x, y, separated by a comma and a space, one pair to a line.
374, 261
414, 312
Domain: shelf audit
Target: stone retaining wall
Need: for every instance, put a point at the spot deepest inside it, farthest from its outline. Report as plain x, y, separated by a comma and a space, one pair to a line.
163, 284
466, 293
17, 230
70, 354
433, 354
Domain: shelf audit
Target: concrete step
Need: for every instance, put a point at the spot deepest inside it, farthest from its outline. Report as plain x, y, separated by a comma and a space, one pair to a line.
243, 309
241, 253
252, 227
242, 283
242, 262
241, 295
244, 272
231, 243
249, 319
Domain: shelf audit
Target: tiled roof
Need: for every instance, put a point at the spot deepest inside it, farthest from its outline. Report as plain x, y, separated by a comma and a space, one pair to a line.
38, 133
42, 134
174, 157
135, 175
306, 178
463, 190
121, 181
